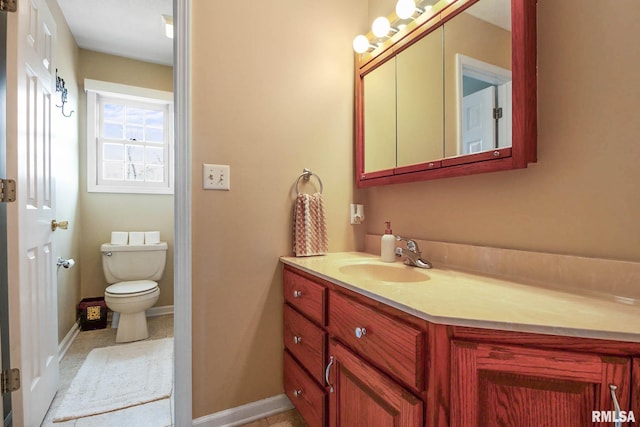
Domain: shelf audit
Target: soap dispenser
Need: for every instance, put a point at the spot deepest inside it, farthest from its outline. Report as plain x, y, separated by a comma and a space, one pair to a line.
388, 245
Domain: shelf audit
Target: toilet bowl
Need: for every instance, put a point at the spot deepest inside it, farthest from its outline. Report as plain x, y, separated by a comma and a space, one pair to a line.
131, 299
132, 272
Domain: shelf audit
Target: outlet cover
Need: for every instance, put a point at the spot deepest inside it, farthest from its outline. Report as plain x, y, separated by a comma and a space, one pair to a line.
216, 177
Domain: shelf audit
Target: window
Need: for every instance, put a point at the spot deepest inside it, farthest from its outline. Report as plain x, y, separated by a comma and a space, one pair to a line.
129, 139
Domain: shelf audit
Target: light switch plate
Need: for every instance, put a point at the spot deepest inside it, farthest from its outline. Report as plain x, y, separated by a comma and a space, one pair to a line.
216, 177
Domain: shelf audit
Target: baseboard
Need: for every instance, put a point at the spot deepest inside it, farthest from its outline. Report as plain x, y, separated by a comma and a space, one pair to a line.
160, 311
66, 342
152, 312
246, 413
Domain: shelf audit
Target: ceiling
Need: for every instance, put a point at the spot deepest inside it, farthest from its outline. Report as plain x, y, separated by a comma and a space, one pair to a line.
134, 28
498, 12
131, 28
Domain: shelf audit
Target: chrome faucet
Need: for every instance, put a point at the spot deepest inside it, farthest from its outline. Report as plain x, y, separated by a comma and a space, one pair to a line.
413, 256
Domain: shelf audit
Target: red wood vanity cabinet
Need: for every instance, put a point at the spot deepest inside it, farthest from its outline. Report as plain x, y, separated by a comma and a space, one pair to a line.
352, 361
372, 371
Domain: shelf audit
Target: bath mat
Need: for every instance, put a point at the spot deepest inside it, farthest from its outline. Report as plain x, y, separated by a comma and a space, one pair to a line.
118, 377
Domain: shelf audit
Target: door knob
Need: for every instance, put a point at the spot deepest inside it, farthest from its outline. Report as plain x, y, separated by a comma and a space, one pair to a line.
62, 224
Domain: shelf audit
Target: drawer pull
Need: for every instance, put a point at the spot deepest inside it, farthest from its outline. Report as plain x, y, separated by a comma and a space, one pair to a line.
360, 332
297, 393
616, 406
297, 294
326, 374
297, 340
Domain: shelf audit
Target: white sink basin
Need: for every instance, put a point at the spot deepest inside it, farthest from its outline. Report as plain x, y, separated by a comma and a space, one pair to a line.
392, 272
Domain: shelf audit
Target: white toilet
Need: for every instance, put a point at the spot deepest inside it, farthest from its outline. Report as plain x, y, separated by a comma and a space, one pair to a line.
132, 272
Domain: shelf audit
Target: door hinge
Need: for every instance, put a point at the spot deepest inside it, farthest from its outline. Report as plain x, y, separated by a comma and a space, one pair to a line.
7, 190
497, 113
10, 380
8, 5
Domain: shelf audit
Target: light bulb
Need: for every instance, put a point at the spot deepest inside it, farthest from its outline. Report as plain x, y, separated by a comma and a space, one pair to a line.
381, 26
405, 8
361, 44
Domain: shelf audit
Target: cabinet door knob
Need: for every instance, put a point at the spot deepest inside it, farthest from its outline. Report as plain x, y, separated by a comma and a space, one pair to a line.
616, 406
297, 294
360, 332
297, 393
297, 340
326, 374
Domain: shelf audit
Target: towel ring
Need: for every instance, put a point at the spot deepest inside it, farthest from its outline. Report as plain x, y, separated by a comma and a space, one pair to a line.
306, 175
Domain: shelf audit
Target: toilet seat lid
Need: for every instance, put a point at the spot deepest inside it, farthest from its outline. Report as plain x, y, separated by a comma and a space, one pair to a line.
132, 287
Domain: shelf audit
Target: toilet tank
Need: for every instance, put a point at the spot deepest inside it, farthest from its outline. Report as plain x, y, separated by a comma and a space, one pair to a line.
133, 262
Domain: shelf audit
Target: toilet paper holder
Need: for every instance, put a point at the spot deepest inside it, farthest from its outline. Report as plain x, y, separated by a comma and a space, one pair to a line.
66, 263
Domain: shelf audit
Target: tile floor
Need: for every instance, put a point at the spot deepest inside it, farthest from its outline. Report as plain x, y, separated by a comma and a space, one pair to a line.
154, 414
284, 419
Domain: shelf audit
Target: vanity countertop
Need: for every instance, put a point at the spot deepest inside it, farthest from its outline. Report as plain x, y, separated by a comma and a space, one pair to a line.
467, 299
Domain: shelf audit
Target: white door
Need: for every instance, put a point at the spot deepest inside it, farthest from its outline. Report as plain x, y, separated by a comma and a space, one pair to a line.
32, 268
478, 124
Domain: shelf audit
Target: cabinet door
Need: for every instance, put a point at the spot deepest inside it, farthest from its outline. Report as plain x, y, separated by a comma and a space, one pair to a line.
495, 385
361, 396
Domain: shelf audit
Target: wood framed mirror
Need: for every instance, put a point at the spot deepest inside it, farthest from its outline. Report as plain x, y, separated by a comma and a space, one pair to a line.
416, 94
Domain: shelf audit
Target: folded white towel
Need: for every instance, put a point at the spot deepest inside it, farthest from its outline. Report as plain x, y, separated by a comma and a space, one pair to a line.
119, 237
136, 238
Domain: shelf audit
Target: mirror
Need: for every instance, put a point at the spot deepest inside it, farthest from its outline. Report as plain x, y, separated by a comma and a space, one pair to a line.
403, 109
452, 94
477, 84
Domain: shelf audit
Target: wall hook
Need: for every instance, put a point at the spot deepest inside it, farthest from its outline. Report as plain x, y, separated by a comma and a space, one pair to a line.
63, 95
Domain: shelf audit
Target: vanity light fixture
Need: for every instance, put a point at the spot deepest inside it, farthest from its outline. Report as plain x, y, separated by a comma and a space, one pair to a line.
361, 44
381, 27
405, 8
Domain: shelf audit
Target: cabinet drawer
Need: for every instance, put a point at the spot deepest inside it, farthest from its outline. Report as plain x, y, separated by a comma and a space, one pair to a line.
308, 397
305, 295
305, 341
389, 343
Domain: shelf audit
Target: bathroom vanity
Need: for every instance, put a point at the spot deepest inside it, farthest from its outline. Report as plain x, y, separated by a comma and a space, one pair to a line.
369, 343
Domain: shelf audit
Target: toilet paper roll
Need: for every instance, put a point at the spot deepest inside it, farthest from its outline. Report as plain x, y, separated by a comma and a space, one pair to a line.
119, 237
136, 238
151, 237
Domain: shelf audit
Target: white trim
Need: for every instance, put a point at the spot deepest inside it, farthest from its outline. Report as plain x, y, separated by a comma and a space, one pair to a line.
68, 339
479, 70
182, 387
152, 312
246, 413
160, 311
115, 89
96, 88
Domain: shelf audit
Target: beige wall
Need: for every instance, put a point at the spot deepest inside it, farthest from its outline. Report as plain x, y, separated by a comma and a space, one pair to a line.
268, 118
582, 196
65, 164
272, 94
105, 212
